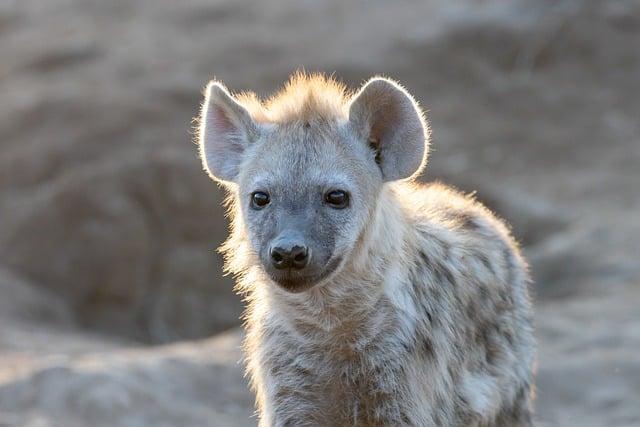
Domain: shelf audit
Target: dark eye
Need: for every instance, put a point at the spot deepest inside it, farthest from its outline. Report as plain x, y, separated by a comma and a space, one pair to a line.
337, 199
259, 199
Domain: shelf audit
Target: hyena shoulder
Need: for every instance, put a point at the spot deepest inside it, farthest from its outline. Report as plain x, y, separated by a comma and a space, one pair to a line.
467, 276
457, 230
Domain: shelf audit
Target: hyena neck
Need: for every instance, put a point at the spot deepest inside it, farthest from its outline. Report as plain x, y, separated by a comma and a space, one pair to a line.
356, 297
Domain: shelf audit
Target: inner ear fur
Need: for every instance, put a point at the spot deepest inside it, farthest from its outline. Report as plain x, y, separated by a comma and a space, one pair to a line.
386, 117
226, 128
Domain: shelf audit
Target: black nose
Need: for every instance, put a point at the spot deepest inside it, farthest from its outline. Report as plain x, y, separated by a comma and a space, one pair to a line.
295, 257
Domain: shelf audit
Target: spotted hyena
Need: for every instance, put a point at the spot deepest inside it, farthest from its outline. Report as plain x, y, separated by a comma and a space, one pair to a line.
372, 299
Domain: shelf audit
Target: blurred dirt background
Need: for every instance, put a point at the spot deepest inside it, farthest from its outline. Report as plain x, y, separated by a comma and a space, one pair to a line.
113, 310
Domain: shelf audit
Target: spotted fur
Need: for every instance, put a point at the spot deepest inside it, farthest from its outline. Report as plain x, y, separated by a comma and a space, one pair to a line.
426, 322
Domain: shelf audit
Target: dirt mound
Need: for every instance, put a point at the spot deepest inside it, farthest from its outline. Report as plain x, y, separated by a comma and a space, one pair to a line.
195, 384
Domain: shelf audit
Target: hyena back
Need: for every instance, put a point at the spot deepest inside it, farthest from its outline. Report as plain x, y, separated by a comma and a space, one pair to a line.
372, 300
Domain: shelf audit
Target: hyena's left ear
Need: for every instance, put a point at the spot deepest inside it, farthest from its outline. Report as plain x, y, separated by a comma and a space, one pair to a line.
226, 129
385, 115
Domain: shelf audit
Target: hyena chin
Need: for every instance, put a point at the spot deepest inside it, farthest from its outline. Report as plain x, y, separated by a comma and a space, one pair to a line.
372, 300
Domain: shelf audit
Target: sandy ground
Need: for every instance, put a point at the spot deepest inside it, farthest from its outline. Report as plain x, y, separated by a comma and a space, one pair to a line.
109, 285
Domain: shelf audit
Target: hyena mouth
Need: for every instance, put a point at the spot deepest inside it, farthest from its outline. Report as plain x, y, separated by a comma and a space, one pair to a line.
297, 282
297, 285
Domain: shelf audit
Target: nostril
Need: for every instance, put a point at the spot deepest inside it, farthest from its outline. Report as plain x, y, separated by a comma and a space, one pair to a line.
295, 257
300, 257
280, 258
276, 256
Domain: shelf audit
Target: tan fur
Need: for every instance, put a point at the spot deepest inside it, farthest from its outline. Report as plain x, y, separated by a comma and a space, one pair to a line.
304, 98
427, 322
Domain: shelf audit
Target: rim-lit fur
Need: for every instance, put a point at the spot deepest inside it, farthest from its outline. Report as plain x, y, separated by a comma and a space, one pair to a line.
427, 322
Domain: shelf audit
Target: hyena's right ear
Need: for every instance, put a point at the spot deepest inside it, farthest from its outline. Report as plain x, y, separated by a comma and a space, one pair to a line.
387, 117
226, 129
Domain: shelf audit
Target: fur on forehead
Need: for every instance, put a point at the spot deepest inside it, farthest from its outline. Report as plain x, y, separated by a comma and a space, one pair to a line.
304, 98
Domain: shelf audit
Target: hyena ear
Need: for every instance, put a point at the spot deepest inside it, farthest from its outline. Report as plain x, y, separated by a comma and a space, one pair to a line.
226, 129
385, 115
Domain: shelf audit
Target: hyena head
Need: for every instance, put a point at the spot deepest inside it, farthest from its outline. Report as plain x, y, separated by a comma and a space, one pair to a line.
306, 167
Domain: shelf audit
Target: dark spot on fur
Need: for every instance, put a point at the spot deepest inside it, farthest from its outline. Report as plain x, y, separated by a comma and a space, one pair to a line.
301, 372
472, 311
508, 335
484, 294
427, 347
484, 259
423, 257
491, 347
469, 221
444, 275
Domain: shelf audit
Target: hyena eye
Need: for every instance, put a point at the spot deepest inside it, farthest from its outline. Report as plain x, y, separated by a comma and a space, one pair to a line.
337, 199
259, 199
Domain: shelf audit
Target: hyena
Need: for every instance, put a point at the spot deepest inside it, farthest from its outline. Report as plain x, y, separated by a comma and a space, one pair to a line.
372, 300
